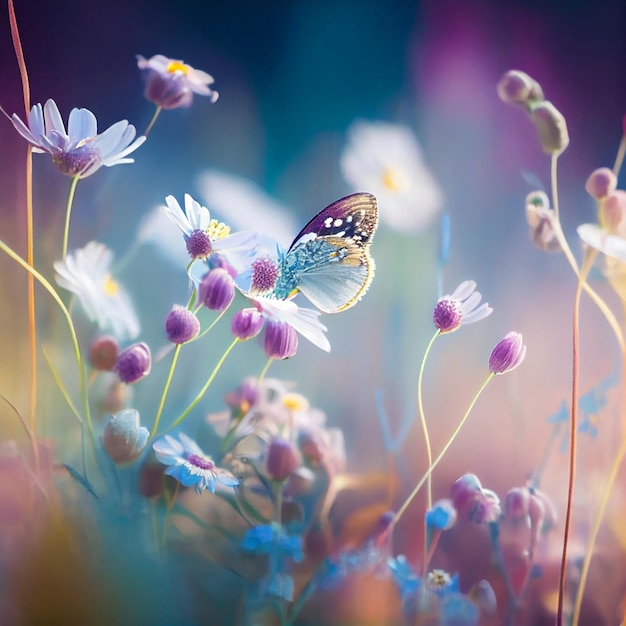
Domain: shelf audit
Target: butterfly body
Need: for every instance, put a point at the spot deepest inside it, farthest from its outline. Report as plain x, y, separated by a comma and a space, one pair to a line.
329, 260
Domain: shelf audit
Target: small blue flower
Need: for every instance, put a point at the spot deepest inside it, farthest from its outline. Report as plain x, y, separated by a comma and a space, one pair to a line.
273, 540
403, 575
456, 609
189, 465
80, 151
442, 515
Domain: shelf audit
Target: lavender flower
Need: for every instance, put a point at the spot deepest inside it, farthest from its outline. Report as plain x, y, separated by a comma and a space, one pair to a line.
170, 83
80, 151
189, 465
133, 363
460, 308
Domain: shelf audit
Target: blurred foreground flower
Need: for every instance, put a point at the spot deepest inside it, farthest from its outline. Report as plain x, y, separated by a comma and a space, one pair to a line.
80, 151
123, 439
170, 83
85, 272
386, 160
189, 465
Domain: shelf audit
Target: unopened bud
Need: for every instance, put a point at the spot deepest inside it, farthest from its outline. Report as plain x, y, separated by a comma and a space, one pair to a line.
550, 126
540, 218
103, 353
601, 183
517, 87
123, 439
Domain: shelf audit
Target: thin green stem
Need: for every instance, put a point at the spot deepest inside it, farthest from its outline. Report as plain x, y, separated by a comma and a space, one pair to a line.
79, 360
436, 462
586, 266
264, 371
420, 406
60, 385
68, 212
204, 389
152, 121
168, 382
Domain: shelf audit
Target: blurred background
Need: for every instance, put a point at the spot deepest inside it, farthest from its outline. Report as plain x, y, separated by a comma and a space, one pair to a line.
292, 77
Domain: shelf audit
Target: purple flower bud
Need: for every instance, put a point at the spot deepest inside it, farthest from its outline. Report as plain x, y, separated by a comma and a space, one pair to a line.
447, 315
281, 340
123, 438
103, 353
601, 183
217, 290
508, 354
246, 324
282, 459
517, 87
485, 597
465, 490
486, 508
516, 503
181, 325
551, 127
133, 363
265, 273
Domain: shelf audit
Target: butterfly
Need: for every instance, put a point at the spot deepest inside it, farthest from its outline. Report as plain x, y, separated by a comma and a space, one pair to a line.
329, 261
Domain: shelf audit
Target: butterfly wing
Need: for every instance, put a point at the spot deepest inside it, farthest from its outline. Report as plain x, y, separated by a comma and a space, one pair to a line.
329, 261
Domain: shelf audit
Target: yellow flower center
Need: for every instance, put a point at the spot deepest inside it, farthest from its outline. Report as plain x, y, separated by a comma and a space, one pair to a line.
295, 402
217, 230
110, 287
393, 180
178, 66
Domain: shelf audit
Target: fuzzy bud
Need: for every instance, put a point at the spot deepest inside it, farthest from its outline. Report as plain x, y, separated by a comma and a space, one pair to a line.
103, 353
540, 218
181, 325
613, 210
465, 490
516, 503
133, 363
601, 183
442, 515
282, 459
123, 439
551, 127
517, 87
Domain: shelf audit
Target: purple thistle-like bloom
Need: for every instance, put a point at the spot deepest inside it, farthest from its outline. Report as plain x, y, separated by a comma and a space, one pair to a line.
460, 308
170, 83
508, 354
123, 439
189, 465
280, 340
133, 363
247, 324
80, 151
181, 325
265, 273
217, 289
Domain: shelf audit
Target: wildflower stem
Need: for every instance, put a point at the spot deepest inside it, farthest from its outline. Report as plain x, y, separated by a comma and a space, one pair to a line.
619, 158
434, 464
264, 370
60, 385
153, 120
586, 266
79, 360
558, 233
420, 405
204, 389
32, 326
604, 500
166, 388
68, 212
